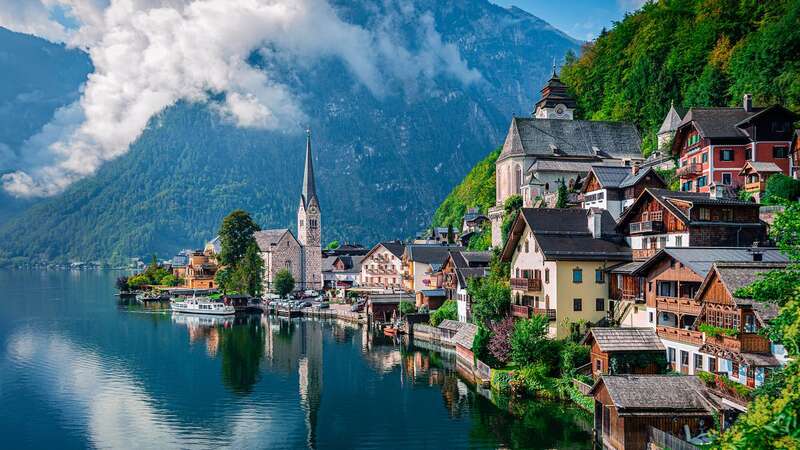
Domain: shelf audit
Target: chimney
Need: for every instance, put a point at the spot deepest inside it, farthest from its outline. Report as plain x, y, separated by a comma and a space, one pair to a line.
747, 102
635, 167
596, 222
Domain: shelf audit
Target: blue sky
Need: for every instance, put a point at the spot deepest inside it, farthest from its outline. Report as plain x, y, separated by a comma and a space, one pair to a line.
581, 19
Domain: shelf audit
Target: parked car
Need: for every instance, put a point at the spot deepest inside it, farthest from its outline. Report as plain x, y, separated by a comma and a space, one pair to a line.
323, 305
305, 304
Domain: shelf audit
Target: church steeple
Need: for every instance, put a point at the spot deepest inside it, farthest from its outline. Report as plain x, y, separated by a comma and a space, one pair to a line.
309, 193
555, 101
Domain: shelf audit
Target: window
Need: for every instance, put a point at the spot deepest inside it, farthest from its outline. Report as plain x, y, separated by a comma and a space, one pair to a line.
684, 358
598, 276
671, 354
726, 215
726, 155
748, 154
704, 214
526, 246
726, 178
704, 157
780, 151
701, 181
577, 304
598, 365
546, 275
698, 362
662, 241
599, 304
678, 241
651, 316
712, 364
577, 275
687, 186
312, 223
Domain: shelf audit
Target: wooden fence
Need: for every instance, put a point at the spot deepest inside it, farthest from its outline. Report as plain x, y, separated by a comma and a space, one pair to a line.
662, 440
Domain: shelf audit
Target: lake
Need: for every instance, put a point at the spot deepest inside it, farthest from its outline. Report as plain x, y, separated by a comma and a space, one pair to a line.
79, 368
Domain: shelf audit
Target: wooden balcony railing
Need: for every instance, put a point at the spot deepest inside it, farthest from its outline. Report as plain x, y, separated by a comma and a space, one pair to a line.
527, 284
631, 295
680, 335
527, 312
756, 186
641, 254
679, 305
743, 343
689, 170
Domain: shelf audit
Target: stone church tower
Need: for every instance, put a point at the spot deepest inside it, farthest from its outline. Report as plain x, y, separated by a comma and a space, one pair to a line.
309, 226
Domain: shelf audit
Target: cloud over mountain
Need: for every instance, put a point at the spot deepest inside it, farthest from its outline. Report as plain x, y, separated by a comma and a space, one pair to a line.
151, 54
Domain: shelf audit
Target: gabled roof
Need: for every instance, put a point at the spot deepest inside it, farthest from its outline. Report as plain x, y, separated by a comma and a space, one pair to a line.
268, 238
611, 177
760, 167
576, 138
466, 273
624, 339
465, 335
718, 123
700, 259
477, 259
555, 92
736, 275
764, 111
563, 234
656, 394
429, 253
452, 325
664, 197
396, 248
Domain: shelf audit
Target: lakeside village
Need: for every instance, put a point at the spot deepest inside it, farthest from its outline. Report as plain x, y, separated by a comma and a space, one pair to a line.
646, 290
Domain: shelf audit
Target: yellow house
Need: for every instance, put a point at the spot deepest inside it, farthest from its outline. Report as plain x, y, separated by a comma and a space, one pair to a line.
558, 259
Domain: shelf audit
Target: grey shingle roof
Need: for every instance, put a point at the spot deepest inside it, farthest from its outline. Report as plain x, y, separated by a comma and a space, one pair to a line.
611, 177
390, 298
762, 166
477, 259
625, 339
395, 247
452, 325
429, 253
556, 165
718, 123
433, 292
664, 196
700, 259
736, 275
465, 335
672, 121
548, 137
656, 394
266, 238
466, 273
627, 267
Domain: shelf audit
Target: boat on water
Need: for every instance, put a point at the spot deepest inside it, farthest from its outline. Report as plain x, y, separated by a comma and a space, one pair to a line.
151, 297
202, 305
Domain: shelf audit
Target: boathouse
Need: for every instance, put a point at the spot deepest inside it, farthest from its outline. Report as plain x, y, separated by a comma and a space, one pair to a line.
625, 351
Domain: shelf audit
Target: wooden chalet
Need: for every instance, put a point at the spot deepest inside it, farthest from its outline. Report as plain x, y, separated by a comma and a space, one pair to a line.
755, 176
626, 407
614, 188
661, 218
741, 352
618, 351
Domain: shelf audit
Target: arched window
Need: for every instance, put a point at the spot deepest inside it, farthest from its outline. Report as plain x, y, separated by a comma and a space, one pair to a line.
547, 187
517, 178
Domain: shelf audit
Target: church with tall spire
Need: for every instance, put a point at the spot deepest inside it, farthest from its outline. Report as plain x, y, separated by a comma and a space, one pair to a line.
300, 254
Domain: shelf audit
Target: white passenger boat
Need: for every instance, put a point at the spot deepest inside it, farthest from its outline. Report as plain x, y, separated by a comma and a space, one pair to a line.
202, 305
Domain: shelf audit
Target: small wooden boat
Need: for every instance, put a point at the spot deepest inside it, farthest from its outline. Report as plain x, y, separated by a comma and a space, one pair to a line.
390, 331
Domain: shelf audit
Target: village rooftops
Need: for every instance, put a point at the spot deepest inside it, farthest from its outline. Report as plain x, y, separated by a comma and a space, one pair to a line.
564, 234
396, 248
625, 339
649, 395
390, 298
266, 239
572, 138
620, 177
736, 275
452, 325
700, 259
726, 124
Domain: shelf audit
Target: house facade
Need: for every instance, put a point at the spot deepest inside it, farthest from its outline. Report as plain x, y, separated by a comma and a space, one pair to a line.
558, 261
615, 188
660, 218
422, 265
280, 250
199, 271
616, 351
458, 269
714, 144
382, 267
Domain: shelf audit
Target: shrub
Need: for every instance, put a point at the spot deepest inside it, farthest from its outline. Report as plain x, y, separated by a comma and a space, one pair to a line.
780, 188
407, 307
138, 281
170, 280
573, 355
500, 342
480, 345
711, 330
501, 380
529, 343
448, 310
490, 299
535, 380
122, 283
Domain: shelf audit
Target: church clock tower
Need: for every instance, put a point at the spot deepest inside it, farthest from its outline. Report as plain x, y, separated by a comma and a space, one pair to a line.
556, 103
309, 226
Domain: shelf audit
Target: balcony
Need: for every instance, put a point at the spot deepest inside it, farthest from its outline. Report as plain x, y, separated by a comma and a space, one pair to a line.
647, 226
631, 295
690, 170
724, 387
755, 186
680, 335
642, 254
527, 284
743, 343
678, 305
526, 312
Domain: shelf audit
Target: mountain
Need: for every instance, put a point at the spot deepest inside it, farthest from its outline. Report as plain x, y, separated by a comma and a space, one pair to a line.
383, 164
37, 78
692, 52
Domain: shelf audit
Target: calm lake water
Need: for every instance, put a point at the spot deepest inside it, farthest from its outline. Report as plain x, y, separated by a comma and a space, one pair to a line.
80, 369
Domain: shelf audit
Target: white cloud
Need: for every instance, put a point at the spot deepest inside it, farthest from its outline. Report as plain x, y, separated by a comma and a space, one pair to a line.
150, 54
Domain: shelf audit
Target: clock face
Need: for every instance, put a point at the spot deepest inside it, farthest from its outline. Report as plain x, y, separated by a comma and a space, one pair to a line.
560, 110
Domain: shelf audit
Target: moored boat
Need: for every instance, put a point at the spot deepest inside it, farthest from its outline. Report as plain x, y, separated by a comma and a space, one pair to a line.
202, 305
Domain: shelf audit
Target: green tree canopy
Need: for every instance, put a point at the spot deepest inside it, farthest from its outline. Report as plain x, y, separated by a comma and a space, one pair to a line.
284, 282
236, 235
448, 310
